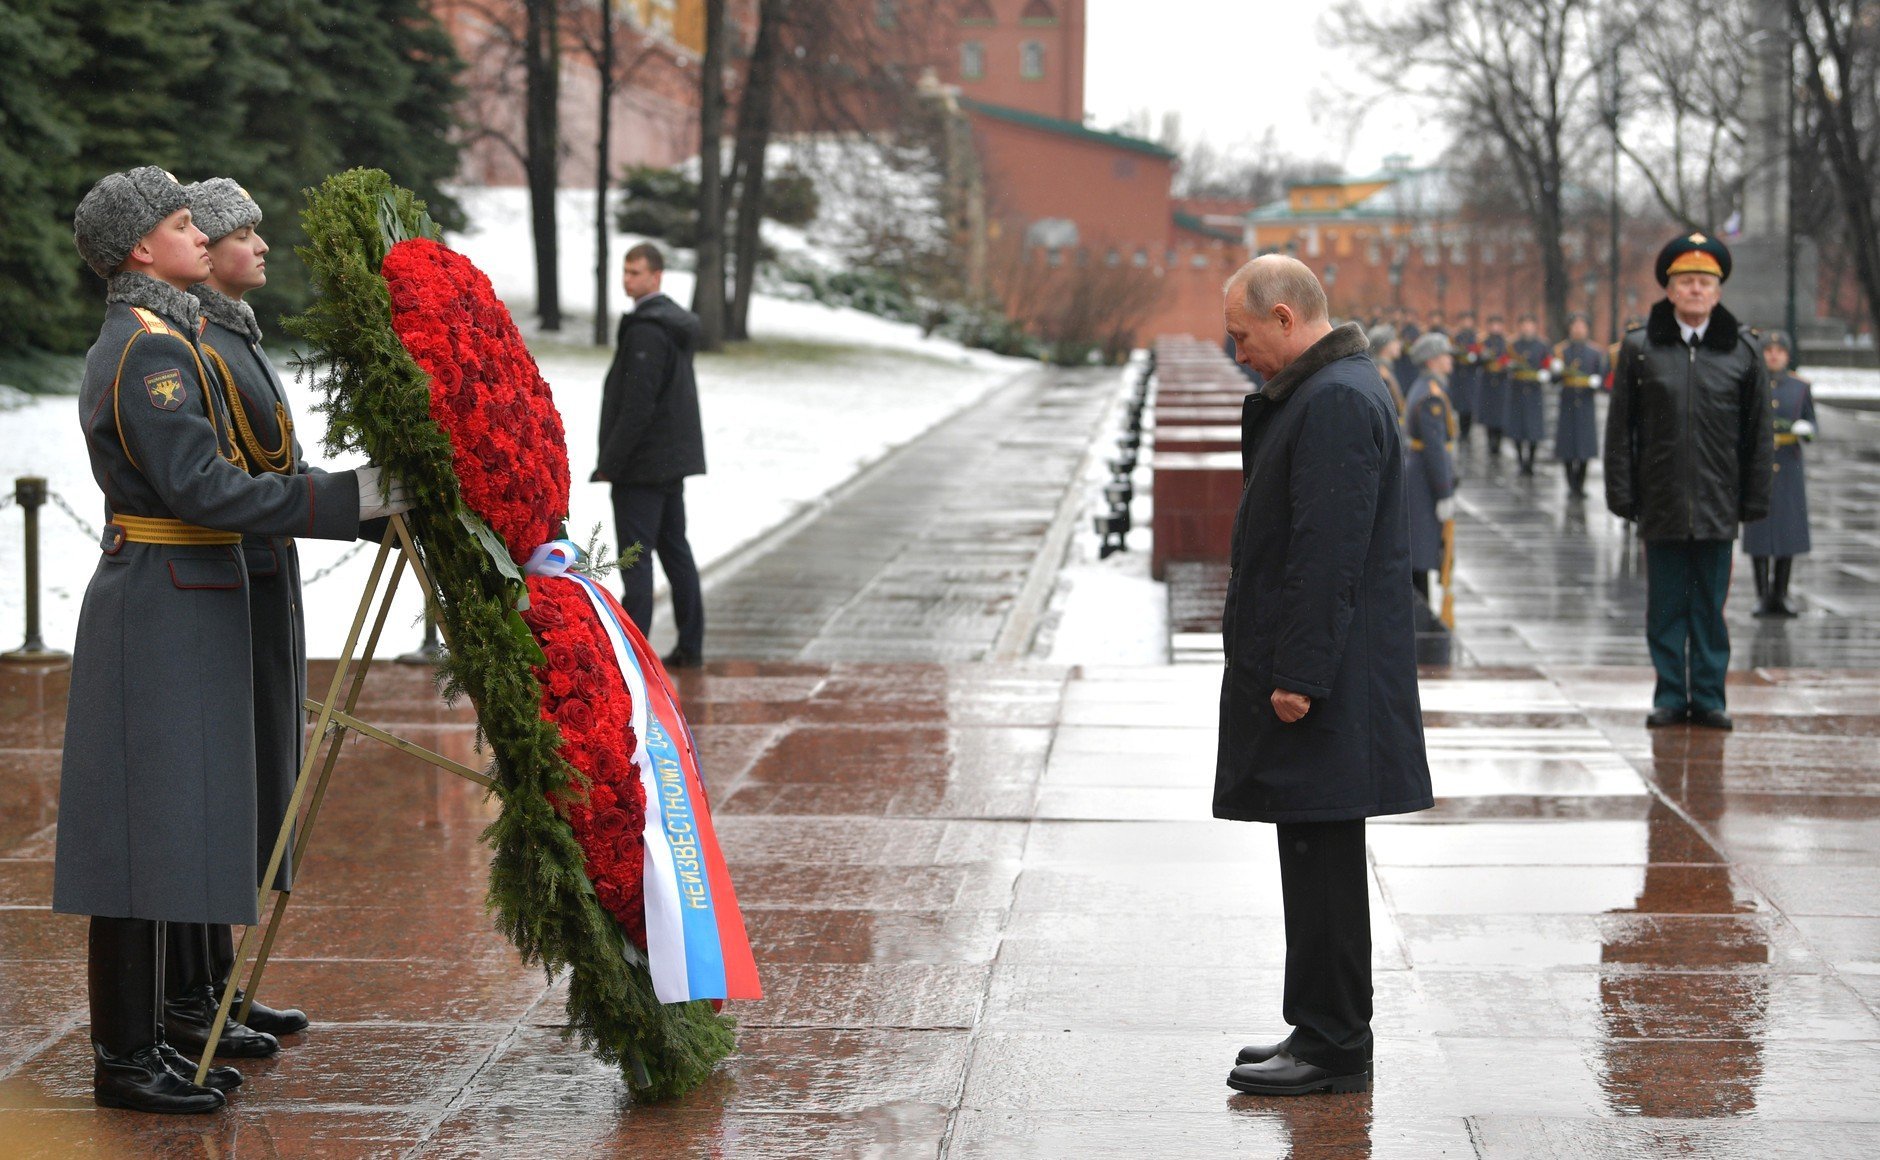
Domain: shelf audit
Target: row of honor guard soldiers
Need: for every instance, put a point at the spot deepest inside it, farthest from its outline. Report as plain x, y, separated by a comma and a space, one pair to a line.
183, 731
1443, 384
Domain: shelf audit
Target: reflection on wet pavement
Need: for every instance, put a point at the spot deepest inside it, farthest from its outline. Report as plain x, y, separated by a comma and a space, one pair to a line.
995, 921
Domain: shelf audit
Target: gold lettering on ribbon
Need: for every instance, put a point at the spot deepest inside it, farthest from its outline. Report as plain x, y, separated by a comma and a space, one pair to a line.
676, 812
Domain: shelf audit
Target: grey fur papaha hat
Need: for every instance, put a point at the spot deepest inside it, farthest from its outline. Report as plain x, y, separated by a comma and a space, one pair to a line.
220, 207
1429, 346
119, 211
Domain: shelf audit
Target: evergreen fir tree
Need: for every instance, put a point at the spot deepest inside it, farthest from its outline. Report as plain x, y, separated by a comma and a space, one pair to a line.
39, 139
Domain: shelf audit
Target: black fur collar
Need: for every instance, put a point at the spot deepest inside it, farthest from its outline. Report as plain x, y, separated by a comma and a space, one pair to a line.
134, 289
1343, 342
222, 310
1662, 327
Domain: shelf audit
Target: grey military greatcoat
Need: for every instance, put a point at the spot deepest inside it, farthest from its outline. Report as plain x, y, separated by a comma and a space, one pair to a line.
1524, 421
1576, 434
1429, 468
157, 813
1491, 396
264, 426
1785, 531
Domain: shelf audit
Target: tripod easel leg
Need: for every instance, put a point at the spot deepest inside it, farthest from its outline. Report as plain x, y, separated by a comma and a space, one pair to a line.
319, 790
293, 806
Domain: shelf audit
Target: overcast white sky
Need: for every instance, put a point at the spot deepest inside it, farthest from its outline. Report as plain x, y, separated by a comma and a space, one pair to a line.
1231, 68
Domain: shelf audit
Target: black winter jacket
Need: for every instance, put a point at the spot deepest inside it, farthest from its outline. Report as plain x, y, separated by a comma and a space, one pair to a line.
1689, 438
650, 431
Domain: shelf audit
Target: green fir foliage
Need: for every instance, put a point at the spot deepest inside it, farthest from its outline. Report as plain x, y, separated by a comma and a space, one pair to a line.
378, 403
276, 94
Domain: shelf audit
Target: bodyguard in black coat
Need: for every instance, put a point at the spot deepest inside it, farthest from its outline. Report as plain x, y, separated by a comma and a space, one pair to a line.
650, 441
1320, 724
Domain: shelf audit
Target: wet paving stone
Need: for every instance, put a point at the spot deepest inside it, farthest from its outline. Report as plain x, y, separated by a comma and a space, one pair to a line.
995, 919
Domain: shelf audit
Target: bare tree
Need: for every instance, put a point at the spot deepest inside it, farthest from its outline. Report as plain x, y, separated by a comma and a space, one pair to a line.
708, 293
1517, 72
1840, 57
754, 126
1684, 65
541, 54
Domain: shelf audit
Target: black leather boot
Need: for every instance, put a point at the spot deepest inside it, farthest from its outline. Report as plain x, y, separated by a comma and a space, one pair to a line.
1779, 588
191, 1002
124, 977
261, 1017
1759, 566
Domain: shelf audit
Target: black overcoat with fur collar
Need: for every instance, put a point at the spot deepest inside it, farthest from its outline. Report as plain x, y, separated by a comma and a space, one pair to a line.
1319, 602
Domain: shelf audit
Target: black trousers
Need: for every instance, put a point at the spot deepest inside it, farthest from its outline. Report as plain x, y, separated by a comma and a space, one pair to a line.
1324, 882
654, 517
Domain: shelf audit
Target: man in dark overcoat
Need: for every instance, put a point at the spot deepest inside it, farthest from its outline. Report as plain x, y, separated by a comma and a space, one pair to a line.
157, 782
650, 441
1773, 543
1320, 725
200, 958
1689, 443
1583, 370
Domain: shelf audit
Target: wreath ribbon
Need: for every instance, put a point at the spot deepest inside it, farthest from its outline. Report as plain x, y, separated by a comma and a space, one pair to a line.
696, 943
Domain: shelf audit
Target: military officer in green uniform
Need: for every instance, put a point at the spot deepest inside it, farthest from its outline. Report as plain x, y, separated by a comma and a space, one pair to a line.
1530, 371
1689, 442
1583, 370
200, 957
1773, 543
157, 781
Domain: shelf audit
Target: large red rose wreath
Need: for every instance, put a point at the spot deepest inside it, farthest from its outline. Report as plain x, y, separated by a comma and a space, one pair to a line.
586, 699
487, 394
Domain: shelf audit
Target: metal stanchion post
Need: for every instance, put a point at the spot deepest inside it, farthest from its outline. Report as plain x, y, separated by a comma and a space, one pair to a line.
30, 492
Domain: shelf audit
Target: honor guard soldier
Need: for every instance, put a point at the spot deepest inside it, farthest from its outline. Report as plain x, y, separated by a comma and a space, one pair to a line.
1689, 442
1492, 397
157, 780
1465, 381
1583, 370
1429, 427
200, 957
1773, 543
1531, 370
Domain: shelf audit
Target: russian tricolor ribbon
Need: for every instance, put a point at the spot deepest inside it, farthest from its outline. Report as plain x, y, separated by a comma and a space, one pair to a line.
697, 947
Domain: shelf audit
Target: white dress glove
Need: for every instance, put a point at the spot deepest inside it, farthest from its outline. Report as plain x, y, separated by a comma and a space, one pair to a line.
1593, 381
1445, 510
381, 493
1546, 376
1803, 429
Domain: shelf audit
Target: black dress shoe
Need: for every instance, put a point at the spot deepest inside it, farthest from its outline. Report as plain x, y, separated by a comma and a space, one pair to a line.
1712, 719
142, 1082
1260, 1053
264, 1018
1282, 1075
188, 1017
681, 659
222, 1079
1661, 717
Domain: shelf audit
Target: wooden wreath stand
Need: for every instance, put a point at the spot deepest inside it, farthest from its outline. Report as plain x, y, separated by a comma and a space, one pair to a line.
332, 722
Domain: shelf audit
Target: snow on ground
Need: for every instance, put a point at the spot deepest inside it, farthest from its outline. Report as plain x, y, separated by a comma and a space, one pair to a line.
1848, 386
1108, 612
822, 393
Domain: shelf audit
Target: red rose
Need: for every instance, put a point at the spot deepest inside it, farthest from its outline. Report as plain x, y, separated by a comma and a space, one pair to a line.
575, 713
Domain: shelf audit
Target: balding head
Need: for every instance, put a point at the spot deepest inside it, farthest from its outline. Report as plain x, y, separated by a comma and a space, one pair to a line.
1275, 311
